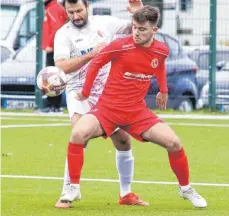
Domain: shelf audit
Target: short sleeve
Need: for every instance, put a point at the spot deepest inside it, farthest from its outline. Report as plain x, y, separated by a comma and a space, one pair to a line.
62, 46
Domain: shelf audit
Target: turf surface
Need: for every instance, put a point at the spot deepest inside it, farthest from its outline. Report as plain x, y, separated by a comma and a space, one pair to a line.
40, 151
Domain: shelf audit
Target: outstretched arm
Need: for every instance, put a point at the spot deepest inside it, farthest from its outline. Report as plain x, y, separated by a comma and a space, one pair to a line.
122, 26
134, 5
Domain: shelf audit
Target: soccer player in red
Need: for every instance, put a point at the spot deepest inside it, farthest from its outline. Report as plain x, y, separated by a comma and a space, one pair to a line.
134, 61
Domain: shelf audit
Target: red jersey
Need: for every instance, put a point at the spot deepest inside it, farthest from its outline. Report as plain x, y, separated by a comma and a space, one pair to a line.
132, 69
55, 17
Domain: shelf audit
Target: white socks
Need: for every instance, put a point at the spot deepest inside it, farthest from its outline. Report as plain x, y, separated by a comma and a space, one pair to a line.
66, 176
184, 188
125, 167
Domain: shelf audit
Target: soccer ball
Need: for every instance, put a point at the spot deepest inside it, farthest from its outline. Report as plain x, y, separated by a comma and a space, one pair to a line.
51, 81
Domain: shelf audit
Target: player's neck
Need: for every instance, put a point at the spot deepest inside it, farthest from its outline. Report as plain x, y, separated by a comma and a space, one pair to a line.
149, 43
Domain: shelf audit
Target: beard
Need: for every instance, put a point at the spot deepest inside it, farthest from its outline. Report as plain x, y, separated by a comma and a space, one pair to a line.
80, 24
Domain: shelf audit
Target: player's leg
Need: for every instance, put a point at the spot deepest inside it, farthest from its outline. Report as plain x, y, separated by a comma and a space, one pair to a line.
164, 136
86, 128
75, 109
125, 167
66, 183
148, 127
124, 160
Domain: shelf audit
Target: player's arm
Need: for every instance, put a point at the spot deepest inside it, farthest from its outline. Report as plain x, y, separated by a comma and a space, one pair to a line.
122, 26
161, 78
62, 50
162, 96
72, 64
134, 5
109, 53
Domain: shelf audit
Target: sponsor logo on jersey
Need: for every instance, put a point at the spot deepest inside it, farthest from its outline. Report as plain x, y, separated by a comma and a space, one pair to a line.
139, 77
78, 40
154, 63
125, 46
85, 51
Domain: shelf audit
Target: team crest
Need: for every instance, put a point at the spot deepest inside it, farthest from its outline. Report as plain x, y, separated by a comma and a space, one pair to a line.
154, 63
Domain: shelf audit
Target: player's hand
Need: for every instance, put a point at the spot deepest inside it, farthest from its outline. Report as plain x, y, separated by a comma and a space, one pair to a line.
161, 100
49, 49
44, 89
79, 96
98, 48
134, 5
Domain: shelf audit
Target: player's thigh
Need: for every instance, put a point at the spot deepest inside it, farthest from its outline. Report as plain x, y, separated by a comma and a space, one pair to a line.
140, 123
75, 118
121, 140
87, 127
162, 135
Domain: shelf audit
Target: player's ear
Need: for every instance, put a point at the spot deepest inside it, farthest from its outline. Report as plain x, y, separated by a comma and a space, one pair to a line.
155, 30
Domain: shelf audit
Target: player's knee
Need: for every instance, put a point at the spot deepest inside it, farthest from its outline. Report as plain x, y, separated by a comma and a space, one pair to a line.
79, 136
122, 143
174, 145
125, 145
125, 141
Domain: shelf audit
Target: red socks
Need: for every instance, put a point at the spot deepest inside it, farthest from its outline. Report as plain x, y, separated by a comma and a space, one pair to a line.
75, 161
179, 164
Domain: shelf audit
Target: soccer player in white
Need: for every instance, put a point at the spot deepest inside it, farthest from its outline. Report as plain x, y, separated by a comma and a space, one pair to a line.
75, 44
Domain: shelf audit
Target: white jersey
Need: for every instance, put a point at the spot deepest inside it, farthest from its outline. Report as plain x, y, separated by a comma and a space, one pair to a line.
71, 41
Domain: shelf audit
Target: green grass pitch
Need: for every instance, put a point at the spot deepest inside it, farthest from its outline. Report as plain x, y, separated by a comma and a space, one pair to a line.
41, 151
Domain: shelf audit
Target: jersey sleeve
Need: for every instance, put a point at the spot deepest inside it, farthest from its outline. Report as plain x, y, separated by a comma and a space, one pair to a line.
109, 53
161, 72
62, 46
161, 77
118, 26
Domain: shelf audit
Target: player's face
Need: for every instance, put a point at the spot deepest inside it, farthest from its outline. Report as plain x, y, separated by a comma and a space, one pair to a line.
77, 13
143, 33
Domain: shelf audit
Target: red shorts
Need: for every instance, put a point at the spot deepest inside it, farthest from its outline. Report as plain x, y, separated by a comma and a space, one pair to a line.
140, 122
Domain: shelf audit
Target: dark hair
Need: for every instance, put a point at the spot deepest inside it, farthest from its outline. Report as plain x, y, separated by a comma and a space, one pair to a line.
75, 1
147, 13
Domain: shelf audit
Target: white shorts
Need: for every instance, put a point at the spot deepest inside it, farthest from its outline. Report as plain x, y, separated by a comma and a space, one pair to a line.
80, 107
76, 106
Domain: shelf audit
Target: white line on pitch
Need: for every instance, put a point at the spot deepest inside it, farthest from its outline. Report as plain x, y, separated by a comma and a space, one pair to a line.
66, 124
111, 180
35, 125
167, 116
198, 124
35, 119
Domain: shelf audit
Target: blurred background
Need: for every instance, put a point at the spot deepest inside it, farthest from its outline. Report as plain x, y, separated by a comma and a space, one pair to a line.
196, 32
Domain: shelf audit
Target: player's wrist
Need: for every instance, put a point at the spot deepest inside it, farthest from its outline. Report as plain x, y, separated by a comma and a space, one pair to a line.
84, 93
91, 55
164, 92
